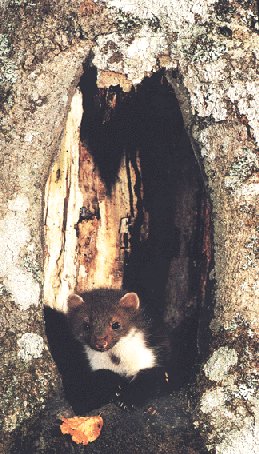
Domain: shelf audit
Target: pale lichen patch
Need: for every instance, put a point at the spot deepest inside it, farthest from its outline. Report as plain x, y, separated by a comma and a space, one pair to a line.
19, 204
241, 169
212, 399
25, 290
174, 14
246, 97
14, 235
10, 422
138, 57
241, 441
30, 345
226, 417
218, 365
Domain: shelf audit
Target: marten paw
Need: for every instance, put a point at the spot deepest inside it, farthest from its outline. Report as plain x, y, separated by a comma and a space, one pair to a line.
123, 401
126, 406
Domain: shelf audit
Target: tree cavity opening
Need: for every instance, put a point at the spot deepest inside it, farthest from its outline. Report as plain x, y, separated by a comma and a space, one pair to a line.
126, 205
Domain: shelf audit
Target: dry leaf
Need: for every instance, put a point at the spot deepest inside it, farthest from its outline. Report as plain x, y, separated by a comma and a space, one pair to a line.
82, 429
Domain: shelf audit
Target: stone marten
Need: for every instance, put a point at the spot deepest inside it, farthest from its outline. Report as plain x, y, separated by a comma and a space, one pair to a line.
126, 356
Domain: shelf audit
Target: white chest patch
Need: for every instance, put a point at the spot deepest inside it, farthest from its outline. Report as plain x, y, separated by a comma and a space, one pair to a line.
132, 352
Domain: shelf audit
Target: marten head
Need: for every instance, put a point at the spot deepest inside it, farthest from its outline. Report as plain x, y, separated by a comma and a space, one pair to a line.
102, 317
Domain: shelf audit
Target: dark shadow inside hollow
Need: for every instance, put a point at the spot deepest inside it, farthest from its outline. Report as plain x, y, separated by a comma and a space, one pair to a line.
69, 358
169, 267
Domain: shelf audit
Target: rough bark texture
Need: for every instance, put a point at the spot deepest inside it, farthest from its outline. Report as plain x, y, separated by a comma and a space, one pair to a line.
208, 49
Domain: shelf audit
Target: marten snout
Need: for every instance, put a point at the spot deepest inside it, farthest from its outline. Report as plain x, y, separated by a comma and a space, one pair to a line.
101, 343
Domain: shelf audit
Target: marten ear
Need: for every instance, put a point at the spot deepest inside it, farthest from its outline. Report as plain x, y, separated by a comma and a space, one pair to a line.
130, 301
74, 301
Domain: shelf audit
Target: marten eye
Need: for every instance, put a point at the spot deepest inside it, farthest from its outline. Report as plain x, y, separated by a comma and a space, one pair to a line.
86, 326
116, 325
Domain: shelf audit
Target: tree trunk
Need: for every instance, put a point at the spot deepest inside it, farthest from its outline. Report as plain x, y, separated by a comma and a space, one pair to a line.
128, 137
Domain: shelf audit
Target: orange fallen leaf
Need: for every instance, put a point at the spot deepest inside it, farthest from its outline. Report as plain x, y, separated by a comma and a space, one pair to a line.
82, 429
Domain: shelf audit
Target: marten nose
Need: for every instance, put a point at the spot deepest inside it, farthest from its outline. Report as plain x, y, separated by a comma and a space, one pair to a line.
101, 343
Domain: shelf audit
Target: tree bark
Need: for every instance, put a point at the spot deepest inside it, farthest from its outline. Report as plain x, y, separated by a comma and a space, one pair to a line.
207, 50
